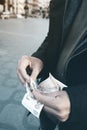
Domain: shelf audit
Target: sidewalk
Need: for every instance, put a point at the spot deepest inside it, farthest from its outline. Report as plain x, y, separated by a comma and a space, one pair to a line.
17, 37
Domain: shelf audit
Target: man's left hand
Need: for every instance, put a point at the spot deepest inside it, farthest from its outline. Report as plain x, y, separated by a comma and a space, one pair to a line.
56, 103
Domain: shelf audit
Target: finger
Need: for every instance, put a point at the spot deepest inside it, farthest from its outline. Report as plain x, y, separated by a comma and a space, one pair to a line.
60, 116
46, 100
34, 74
50, 110
24, 58
22, 65
55, 113
36, 94
20, 78
24, 75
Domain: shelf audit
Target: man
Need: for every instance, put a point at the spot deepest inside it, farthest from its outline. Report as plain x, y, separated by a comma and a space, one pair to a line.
26, 8
64, 54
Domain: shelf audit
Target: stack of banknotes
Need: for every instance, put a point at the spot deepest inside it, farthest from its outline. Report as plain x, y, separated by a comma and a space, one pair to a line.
49, 85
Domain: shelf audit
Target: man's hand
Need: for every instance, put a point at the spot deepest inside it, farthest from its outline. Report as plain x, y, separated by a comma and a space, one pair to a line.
33, 63
56, 103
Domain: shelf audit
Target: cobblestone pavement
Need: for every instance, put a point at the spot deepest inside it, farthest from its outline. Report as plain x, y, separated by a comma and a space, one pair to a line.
17, 37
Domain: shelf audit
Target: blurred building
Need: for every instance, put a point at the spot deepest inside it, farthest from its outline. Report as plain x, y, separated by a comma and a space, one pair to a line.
36, 7
1, 5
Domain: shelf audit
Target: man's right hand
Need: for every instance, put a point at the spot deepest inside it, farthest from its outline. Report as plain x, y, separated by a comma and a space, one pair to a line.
33, 63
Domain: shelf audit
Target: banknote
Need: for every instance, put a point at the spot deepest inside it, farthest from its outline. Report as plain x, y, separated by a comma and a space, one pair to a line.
32, 105
29, 102
49, 85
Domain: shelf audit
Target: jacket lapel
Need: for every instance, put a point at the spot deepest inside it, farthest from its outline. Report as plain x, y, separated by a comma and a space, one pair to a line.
79, 27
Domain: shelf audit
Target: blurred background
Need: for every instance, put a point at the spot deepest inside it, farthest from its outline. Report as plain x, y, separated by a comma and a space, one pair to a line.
23, 27
24, 8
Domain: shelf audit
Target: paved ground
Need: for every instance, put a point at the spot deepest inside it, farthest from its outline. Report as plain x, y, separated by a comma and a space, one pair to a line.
17, 37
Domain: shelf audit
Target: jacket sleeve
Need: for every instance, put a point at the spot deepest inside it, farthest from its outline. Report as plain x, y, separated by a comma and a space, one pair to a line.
41, 51
48, 52
78, 96
78, 90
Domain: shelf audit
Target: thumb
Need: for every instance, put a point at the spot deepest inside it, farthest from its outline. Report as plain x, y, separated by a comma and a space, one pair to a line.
34, 74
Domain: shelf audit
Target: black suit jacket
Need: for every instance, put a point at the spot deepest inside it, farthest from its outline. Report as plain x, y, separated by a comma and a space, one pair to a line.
64, 54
